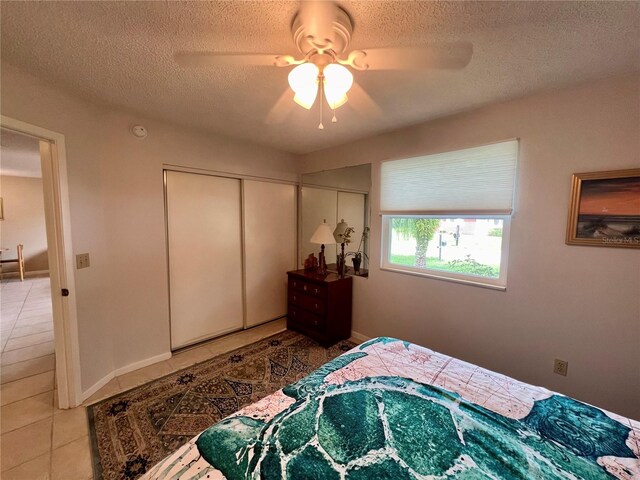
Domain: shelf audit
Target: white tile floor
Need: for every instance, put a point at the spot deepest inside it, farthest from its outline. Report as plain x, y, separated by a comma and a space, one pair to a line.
37, 440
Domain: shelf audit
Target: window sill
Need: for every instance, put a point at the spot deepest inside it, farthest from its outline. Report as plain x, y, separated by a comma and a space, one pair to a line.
473, 283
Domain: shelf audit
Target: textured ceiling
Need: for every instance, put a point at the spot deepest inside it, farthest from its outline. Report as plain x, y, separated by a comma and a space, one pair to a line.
121, 53
19, 155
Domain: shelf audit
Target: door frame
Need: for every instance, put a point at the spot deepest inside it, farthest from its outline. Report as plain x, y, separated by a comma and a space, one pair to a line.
60, 253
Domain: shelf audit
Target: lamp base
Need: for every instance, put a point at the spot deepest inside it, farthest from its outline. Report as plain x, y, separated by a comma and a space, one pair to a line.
322, 263
341, 262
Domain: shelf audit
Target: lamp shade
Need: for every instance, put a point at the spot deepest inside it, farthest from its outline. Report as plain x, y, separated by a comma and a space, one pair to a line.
303, 80
323, 235
338, 233
337, 82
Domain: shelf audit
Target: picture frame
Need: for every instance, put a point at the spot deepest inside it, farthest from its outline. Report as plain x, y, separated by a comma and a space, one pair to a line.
604, 209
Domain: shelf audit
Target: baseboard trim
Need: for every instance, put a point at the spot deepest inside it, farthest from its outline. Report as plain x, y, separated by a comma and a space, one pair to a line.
358, 337
141, 364
121, 371
98, 385
35, 273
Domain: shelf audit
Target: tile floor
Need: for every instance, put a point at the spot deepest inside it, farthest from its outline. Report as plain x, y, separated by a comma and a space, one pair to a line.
38, 440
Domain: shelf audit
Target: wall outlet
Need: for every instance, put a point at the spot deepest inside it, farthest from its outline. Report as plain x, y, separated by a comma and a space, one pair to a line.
82, 260
560, 367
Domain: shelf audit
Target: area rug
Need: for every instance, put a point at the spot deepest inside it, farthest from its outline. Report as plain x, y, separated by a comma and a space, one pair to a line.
132, 431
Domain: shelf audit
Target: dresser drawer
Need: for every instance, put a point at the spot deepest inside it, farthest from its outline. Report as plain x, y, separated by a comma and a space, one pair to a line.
303, 317
308, 302
319, 305
309, 288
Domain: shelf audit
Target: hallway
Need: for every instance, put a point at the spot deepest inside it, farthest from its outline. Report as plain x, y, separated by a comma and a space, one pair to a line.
26, 336
39, 441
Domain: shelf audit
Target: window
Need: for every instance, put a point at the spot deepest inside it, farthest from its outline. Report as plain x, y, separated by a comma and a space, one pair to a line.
448, 215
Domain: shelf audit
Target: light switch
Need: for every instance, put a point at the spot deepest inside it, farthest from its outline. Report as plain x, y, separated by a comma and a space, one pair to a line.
82, 260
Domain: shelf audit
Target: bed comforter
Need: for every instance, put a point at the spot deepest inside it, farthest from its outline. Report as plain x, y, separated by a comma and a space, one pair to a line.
390, 409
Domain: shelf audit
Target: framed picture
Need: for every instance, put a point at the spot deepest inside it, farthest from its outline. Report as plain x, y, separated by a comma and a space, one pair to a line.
605, 209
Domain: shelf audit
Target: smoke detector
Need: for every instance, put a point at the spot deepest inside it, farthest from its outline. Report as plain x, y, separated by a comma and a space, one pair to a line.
139, 131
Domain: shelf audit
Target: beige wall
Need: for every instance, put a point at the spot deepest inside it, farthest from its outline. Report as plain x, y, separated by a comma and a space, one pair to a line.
117, 212
576, 303
23, 222
581, 304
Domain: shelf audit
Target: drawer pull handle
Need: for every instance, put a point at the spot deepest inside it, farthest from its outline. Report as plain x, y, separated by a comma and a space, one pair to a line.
304, 288
295, 284
316, 290
316, 306
295, 298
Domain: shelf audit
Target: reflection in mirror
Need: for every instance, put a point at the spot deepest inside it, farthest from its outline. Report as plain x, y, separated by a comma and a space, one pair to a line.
334, 195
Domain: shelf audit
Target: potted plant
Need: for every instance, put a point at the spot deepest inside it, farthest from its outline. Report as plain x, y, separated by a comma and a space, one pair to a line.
357, 255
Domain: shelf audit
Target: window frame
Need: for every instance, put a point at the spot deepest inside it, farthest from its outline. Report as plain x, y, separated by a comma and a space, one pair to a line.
499, 283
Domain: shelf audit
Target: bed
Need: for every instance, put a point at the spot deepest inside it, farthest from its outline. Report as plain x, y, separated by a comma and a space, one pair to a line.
389, 409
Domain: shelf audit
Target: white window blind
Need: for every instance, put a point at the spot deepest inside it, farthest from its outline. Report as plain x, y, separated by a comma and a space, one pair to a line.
474, 180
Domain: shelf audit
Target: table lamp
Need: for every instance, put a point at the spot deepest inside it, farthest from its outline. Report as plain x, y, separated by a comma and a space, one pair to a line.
323, 236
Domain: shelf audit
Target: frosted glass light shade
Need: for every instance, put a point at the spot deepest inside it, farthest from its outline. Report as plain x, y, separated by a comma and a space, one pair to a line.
337, 82
306, 99
303, 80
323, 235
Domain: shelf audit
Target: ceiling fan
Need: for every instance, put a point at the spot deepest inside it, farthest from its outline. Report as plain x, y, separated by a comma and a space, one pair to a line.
322, 32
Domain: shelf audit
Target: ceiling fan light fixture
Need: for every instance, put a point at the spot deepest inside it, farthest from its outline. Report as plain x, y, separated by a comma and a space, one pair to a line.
335, 102
306, 99
303, 80
337, 82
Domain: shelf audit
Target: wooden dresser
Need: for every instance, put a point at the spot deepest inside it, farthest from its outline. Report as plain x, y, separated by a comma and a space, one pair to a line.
320, 306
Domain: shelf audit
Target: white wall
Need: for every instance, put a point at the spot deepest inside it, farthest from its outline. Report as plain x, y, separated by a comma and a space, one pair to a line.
581, 304
23, 200
117, 212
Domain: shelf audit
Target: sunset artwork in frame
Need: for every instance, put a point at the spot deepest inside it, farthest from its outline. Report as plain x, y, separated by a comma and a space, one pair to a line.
605, 209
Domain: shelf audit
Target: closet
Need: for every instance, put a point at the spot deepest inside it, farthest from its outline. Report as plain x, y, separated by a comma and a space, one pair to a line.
230, 243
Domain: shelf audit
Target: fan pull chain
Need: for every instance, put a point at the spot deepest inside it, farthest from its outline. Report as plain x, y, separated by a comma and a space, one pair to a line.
321, 127
334, 119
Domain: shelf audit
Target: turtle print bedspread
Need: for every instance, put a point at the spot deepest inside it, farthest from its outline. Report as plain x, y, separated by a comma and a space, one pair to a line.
390, 409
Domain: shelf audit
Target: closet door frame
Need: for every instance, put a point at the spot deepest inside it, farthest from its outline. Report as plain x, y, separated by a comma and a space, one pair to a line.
213, 173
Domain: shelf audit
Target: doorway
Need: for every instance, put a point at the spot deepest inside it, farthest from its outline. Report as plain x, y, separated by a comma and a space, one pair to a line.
39, 329
26, 325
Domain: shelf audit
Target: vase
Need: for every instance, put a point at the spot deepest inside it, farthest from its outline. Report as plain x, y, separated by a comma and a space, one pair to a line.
356, 264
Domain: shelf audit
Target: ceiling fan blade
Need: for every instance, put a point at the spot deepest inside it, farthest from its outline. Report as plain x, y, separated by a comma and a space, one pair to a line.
281, 109
208, 59
360, 100
451, 56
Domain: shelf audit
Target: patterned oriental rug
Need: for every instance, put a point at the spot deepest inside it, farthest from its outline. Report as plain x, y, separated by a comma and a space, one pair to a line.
132, 431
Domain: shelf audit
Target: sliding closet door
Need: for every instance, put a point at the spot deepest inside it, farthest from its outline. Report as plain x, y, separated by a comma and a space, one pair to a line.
205, 256
270, 248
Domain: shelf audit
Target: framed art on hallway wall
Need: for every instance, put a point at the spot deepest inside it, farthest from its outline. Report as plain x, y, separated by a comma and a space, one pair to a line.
605, 209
